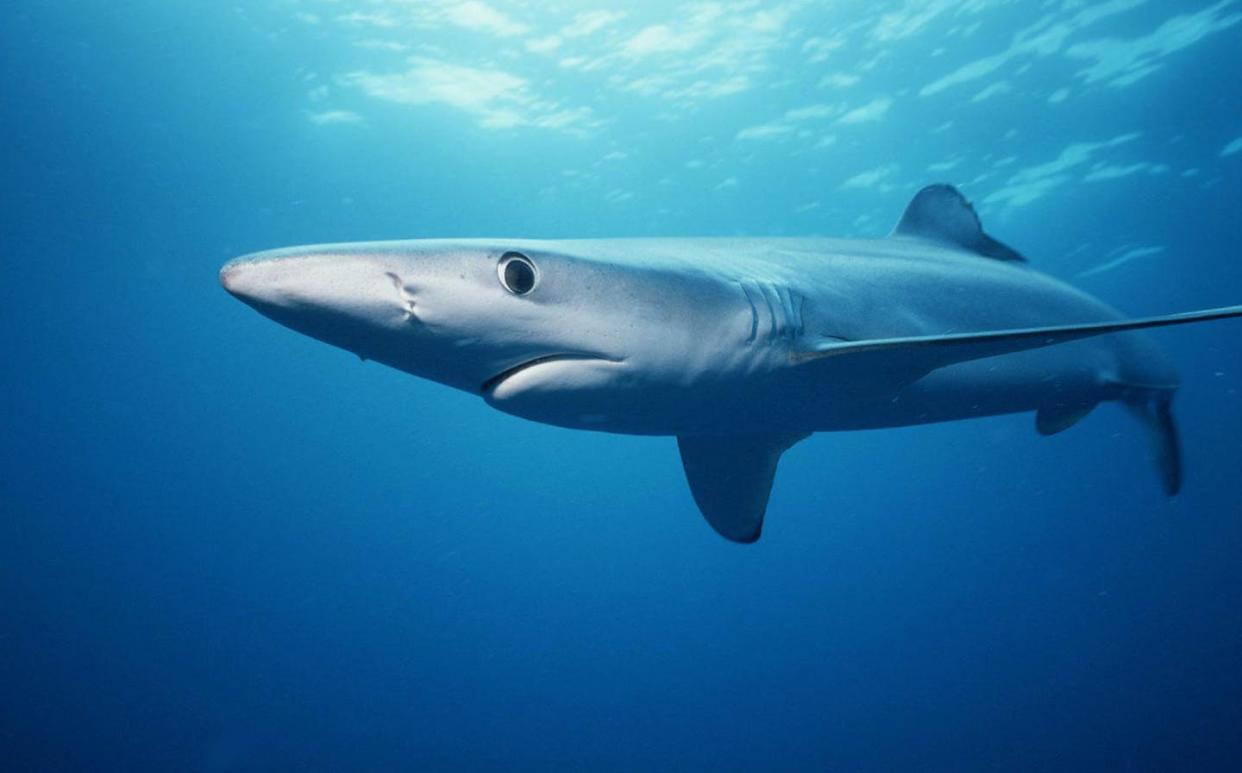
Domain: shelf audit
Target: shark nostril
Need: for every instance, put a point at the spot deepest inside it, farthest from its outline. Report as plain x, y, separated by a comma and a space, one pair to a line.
404, 292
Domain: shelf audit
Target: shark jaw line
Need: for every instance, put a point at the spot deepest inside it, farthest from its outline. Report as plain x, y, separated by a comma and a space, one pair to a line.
489, 386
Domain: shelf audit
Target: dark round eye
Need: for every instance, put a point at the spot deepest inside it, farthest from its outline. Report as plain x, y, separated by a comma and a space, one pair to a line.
517, 273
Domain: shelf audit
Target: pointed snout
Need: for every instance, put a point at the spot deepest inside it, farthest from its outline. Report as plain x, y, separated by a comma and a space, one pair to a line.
353, 296
288, 278
231, 278
251, 279
333, 293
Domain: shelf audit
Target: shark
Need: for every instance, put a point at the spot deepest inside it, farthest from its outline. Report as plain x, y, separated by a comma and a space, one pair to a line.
737, 347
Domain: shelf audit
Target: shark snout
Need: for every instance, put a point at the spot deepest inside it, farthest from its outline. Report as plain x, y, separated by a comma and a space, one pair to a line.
231, 278
344, 299
251, 280
277, 279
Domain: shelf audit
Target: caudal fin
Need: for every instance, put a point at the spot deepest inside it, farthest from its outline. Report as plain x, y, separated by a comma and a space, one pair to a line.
1154, 411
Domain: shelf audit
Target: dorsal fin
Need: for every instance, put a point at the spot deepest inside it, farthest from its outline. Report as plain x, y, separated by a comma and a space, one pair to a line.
940, 213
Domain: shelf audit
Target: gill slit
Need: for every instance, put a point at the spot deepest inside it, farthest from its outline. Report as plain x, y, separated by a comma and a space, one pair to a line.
754, 313
786, 311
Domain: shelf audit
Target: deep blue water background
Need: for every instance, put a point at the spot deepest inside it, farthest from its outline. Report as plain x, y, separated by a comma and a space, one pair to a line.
224, 546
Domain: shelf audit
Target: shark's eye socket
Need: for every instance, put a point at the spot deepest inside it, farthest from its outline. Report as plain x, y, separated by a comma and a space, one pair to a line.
517, 273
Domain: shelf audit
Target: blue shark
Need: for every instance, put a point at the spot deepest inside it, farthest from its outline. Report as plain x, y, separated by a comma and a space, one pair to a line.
738, 347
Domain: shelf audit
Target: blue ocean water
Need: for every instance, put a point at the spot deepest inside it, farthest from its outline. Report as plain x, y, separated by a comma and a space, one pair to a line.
227, 547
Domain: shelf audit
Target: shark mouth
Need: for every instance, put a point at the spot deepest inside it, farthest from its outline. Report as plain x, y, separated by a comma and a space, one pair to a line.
489, 385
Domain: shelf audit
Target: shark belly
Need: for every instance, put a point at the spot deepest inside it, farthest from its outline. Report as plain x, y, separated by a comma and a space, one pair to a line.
1015, 383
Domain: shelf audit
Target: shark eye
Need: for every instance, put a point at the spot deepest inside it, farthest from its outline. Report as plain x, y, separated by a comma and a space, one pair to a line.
517, 273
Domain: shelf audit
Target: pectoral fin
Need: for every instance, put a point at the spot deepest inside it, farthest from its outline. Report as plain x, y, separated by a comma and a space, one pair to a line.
731, 478
916, 356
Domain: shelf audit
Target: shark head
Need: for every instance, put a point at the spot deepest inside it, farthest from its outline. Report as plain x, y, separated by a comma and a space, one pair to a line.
535, 328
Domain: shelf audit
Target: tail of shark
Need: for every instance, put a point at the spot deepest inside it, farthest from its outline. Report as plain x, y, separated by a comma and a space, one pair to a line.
1153, 409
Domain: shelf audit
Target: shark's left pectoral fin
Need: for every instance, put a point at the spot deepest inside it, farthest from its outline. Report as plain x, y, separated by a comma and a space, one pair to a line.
731, 478
912, 357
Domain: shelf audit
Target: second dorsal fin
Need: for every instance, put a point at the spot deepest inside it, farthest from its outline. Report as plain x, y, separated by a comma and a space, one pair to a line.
940, 213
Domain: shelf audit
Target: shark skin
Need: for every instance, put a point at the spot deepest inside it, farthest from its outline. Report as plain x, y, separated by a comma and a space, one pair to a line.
739, 347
